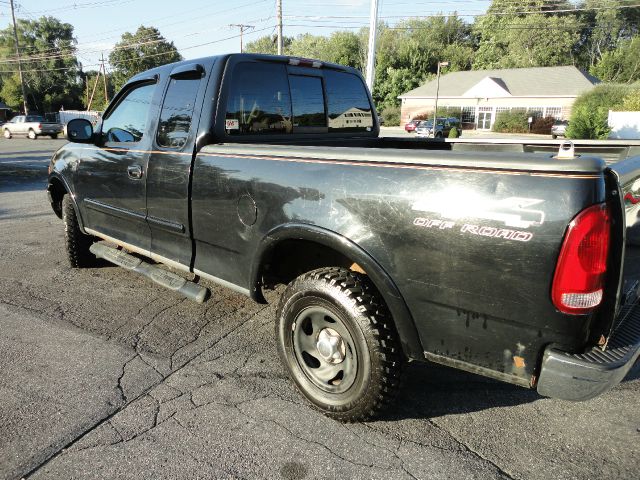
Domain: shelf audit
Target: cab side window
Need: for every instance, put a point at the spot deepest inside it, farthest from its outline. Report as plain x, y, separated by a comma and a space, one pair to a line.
259, 102
177, 112
128, 121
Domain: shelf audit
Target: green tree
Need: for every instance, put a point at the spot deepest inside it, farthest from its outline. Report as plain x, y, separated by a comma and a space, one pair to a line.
99, 102
51, 69
140, 51
603, 27
631, 102
621, 65
268, 44
525, 34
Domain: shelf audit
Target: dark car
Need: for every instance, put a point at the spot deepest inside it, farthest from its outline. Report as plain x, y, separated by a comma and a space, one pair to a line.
443, 127
559, 128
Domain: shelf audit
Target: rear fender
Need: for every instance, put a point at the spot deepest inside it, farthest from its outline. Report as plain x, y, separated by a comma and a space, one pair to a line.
383, 282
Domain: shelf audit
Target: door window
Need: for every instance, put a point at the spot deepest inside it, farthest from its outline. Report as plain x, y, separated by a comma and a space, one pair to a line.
128, 121
177, 112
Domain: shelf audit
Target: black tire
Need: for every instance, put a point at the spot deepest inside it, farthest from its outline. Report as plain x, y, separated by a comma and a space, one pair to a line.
439, 135
76, 242
367, 359
54, 136
554, 136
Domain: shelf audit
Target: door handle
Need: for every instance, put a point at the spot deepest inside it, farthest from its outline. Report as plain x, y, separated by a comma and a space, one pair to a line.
134, 171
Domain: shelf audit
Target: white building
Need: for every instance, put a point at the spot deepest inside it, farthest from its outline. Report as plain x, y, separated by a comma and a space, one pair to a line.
481, 94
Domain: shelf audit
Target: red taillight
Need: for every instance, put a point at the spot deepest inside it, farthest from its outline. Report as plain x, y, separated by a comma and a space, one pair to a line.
579, 279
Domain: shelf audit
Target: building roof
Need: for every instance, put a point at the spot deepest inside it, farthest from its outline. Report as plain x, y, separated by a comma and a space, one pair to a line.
3, 106
518, 82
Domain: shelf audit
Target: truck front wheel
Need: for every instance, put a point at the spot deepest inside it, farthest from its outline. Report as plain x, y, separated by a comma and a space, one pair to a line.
7, 133
338, 342
76, 242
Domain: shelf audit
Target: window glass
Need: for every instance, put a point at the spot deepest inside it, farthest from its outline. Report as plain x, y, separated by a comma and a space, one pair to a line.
259, 101
128, 121
349, 107
177, 111
308, 102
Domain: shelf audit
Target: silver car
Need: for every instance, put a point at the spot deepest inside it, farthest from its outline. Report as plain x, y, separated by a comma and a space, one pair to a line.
559, 128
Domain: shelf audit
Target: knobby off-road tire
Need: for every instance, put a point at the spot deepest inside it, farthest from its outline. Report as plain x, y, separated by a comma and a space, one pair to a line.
76, 242
338, 342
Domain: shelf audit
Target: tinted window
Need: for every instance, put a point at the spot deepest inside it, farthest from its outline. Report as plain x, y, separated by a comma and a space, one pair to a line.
34, 118
128, 121
348, 103
308, 102
177, 111
259, 101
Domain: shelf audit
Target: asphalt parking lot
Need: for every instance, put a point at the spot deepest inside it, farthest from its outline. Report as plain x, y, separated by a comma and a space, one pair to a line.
105, 375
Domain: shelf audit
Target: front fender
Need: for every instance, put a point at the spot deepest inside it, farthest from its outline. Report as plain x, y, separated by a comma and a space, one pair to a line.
380, 278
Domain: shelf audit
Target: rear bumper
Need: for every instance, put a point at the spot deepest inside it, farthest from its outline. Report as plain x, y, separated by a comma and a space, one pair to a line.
584, 376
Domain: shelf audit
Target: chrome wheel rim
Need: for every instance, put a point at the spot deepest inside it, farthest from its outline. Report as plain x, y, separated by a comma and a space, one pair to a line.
324, 349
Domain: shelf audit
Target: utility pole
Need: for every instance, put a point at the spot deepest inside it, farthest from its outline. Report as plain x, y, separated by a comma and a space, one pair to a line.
15, 37
242, 28
373, 33
435, 112
104, 78
102, 70
280, 39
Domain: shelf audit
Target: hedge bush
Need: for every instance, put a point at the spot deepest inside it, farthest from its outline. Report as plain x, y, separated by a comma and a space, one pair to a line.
511, 122
391, 116
591, 111
542, 125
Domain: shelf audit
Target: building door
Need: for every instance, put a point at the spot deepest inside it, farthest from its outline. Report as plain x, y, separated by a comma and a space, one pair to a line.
484, 120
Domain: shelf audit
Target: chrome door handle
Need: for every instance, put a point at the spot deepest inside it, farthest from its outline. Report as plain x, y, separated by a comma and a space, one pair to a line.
135, 171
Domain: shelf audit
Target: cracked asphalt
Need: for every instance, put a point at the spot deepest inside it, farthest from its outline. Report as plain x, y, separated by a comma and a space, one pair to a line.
106, 375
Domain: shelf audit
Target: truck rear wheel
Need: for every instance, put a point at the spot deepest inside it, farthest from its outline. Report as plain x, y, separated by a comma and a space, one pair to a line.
32, 135
76, 242
338, 342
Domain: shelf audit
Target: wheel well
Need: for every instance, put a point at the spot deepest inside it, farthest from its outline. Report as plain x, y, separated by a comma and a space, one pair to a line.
57, 190
291, 258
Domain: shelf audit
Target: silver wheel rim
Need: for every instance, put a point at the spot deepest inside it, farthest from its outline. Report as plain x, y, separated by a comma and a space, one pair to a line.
324, 349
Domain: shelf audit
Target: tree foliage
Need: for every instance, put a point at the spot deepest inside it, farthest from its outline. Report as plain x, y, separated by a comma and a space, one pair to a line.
590, 112
51, 71
140, 51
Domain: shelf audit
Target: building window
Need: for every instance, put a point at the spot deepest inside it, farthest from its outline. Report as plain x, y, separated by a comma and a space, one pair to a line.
555, 112
535, 112
468, 115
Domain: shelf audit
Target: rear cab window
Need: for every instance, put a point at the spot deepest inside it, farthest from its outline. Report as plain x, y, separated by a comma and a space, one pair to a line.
267, 98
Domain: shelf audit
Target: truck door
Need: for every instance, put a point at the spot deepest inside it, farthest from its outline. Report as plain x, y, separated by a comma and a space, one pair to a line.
169, 170
110, 180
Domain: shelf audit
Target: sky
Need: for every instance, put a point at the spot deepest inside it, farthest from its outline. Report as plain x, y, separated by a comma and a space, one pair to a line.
200, 28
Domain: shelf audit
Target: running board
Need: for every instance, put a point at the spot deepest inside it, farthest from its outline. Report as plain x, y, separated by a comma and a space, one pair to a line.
162, 277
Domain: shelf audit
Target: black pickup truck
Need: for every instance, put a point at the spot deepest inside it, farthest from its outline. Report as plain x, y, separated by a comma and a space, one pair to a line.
254, 171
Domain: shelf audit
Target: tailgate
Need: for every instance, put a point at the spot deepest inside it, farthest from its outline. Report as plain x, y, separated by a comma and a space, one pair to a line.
627, 173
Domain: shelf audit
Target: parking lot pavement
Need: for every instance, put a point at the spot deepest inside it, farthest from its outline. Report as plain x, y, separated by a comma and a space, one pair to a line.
105, 375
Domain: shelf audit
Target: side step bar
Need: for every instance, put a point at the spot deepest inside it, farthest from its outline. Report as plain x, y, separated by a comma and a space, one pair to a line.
167, 279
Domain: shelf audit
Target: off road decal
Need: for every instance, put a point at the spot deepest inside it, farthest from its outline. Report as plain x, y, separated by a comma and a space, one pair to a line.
513, 211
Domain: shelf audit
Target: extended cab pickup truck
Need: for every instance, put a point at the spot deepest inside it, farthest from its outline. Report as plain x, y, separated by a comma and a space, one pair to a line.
32, 126
254, 171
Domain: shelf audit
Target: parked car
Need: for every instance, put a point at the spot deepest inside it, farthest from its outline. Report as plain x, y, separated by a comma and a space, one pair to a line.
559, 128
443, 127
32, 126
411, 125
508, 265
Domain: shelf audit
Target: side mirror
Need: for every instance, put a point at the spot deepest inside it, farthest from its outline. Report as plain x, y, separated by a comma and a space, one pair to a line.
80, 130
